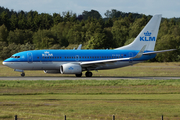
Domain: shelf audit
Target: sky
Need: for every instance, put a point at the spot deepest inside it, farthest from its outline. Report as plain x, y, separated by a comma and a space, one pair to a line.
168, 8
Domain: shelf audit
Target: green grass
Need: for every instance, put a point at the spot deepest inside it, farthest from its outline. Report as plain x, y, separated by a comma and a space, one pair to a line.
93, 99
90, 87
90, 99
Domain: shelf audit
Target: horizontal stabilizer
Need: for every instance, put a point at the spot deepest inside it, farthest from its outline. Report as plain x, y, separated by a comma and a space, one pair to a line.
154, 52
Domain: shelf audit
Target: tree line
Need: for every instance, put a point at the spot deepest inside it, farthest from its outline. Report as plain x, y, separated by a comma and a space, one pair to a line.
20, 31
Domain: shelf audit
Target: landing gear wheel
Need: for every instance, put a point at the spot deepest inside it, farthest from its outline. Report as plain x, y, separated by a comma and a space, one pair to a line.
22, 74
88, 74
79, 75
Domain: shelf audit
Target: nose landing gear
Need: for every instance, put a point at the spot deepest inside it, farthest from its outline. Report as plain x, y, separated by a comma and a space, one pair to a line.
18, 70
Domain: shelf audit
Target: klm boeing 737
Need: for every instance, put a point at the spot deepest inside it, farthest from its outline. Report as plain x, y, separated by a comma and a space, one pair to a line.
77, 61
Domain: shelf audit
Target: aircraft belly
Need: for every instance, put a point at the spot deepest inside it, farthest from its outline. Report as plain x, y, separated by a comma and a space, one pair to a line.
35, 65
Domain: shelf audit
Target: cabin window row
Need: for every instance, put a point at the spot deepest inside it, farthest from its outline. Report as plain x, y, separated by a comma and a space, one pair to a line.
92, 57
83, 57
50, 57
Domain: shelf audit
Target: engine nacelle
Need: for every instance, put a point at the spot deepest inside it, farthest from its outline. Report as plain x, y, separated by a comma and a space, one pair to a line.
70, 69
51, 71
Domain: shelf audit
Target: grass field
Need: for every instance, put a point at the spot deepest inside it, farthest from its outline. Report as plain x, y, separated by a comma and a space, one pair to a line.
90, 99
93, 99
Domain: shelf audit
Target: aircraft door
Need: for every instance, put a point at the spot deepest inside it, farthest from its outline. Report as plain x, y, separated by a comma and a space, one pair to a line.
130, 55
77, 57
29, 57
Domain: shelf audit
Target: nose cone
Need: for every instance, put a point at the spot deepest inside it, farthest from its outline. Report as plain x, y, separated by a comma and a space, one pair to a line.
5, 62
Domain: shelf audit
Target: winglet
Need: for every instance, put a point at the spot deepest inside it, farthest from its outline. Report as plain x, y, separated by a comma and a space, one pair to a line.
140, 53
79, 47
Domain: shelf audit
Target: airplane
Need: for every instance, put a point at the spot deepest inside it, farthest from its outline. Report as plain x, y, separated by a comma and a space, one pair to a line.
77, 61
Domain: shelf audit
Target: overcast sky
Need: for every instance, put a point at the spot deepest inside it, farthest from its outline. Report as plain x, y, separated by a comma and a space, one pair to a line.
168, 8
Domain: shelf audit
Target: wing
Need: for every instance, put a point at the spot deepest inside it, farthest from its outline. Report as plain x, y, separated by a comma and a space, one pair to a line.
94, 63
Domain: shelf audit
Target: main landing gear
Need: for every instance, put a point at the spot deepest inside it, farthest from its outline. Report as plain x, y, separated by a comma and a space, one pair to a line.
22, 74
88, 74
79, 75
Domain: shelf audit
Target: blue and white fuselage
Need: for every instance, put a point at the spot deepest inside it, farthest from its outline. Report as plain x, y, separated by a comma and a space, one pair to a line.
53, 59
77, 61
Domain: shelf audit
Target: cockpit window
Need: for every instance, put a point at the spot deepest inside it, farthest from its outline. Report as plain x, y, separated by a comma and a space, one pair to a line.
15, 56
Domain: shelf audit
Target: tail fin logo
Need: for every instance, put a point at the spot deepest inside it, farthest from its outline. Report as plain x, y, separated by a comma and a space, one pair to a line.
147, 37
147, 34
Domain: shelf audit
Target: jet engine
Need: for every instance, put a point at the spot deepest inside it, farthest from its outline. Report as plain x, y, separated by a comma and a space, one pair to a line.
70, 69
